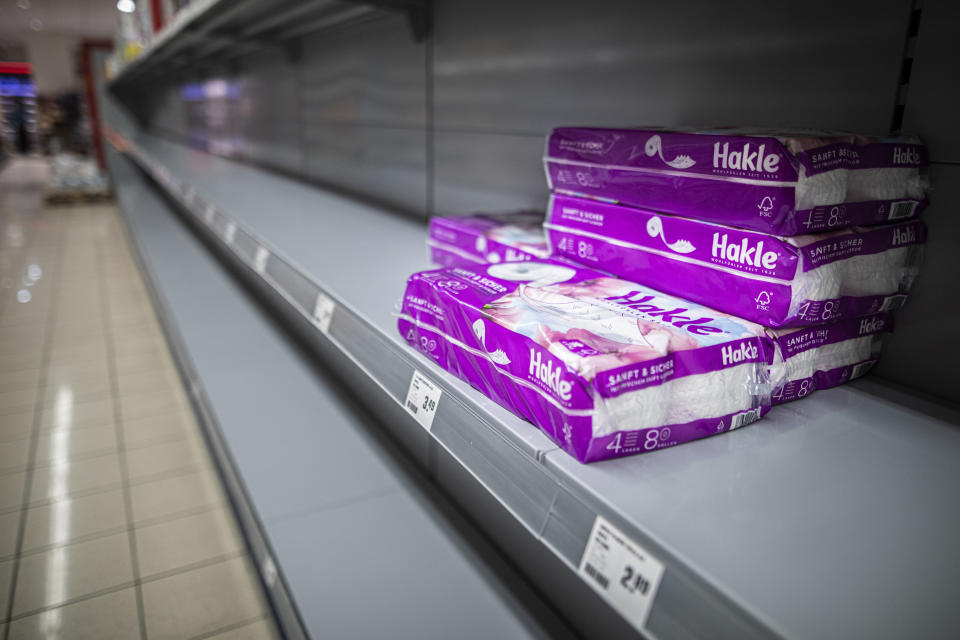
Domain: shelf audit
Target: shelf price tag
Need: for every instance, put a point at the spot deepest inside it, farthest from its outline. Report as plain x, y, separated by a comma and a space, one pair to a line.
621, 571
423, 399
323, 312
229, 232
260, 260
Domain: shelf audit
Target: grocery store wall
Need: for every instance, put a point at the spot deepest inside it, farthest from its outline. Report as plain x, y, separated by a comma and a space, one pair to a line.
53, 56
456, 123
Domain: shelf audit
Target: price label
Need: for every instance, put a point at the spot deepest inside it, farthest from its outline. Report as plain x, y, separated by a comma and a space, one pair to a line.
323, 312
260, 260
621, 571
893, 302
229, 232
269, 572
209, 214
423, 399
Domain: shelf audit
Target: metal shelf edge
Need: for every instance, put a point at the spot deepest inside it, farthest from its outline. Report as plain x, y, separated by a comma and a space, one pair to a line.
565, 525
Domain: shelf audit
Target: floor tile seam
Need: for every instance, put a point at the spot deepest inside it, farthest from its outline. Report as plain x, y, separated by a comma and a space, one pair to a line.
86, 455
80, 457
42, 401
159, 440
119, 439
82, 426
85, 493
178, 515
129, 584
80, 493
43, 431
47, 389
142, 524
32, 447
176, 472
65, 544
17, 409
133, 397
194, 566
132, 584
230, 627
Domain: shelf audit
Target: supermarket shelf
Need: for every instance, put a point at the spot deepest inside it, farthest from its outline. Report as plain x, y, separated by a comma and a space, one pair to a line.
218, 29
315, 493
833, 517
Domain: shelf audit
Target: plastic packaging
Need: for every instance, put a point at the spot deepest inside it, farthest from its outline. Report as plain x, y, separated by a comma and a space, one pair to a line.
605, 367
772, 280
781, 183
826, 356
487, 237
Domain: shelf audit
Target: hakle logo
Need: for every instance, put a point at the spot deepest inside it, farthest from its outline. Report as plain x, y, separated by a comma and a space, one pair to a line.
641, 303
904, 235
552, 377
744, 353
871, 325
907, 155
743, 252
747, 159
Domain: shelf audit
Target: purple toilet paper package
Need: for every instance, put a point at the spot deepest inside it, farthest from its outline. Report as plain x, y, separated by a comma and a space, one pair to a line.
487, 237
785, 184
771, 280
604, 366
825, 356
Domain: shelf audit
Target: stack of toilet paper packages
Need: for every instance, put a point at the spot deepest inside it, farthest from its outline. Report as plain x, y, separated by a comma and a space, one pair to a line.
826, 355
778, 183
487, 237
606, 367
772, 280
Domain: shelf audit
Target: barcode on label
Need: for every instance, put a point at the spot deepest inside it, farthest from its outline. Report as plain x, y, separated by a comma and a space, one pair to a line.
861, 369
893, 302
412, 407
601, 579
744, 418
902, 209
260, 260
323, 312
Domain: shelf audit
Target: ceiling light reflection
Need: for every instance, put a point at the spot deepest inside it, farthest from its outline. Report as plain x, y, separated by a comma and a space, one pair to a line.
56, 584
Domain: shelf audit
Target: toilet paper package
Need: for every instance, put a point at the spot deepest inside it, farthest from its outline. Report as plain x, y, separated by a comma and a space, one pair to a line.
772, 280
604, 366
786, 184
824, 356
487, 237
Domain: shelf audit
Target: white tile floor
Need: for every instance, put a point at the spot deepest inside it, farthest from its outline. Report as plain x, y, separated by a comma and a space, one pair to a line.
113, 522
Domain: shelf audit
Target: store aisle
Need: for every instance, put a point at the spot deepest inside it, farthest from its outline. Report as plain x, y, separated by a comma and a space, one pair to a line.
113, 522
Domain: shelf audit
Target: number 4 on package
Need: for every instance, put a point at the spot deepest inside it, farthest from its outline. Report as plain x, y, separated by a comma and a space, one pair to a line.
621, 571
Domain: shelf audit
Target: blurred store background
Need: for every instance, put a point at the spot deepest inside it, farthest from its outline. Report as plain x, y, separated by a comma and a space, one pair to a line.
48, 102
